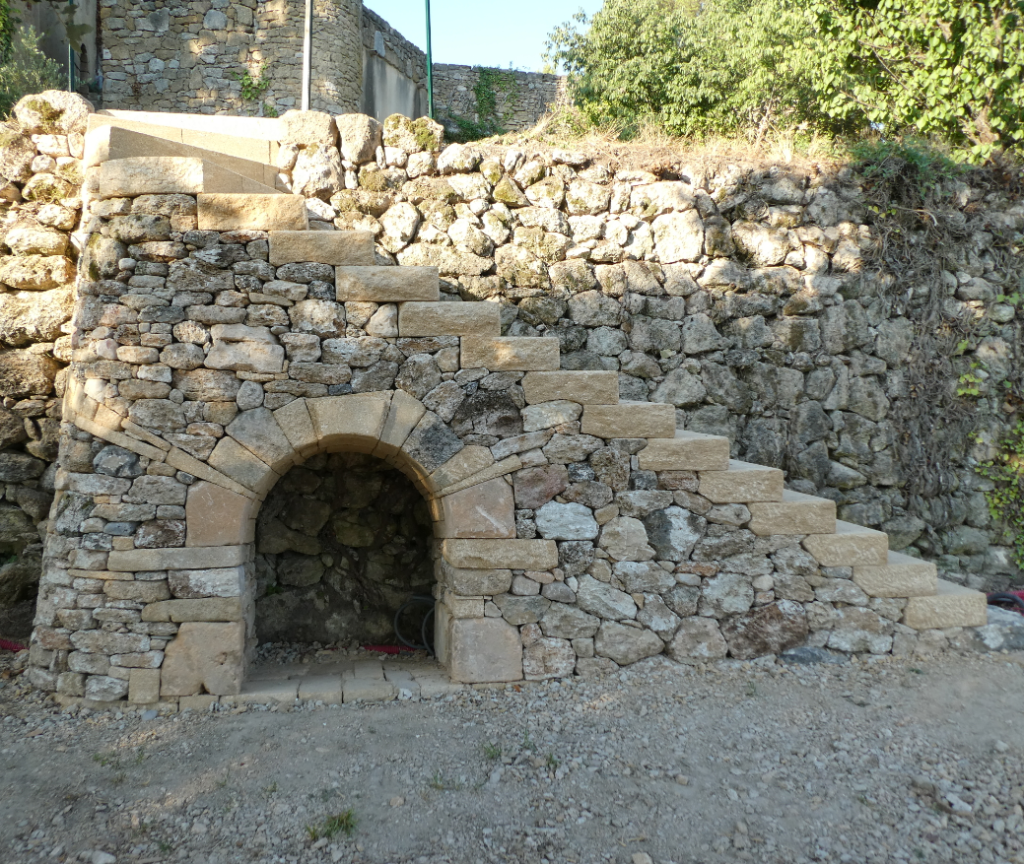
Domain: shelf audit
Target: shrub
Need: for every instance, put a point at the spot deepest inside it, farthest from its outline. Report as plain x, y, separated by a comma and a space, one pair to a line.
27, 70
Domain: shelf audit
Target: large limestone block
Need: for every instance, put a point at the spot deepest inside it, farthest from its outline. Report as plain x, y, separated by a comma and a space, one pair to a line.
626, 645
138, 560
237, 212
850, 546
197, 584
464, 464
321, 247
53, 112
475, 583
297, 426
353, 422
404, 413
952, 606
151, 175
183, 611
630, 420
794, 514
449, 319
204, 658
386, 284
308, 127
501, 554
687, 451
215, 516
587, 388
742, 483
360, 137
258, 432
900, 576
259, 357
510, 353
485, 511
484, 650
235, 461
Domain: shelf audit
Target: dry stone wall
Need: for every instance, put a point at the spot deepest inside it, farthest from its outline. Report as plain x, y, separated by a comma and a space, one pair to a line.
40, 180
520, 101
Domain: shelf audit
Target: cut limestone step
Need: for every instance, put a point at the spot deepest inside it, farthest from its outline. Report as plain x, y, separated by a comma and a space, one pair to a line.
742, 483
796, 513
901, 576
687, 451
449, 319
108, 143
850, 546
253, 138
951, 606
321, 247
509, 353
630, 420
384, 284
166, 175
252, 212
587, 388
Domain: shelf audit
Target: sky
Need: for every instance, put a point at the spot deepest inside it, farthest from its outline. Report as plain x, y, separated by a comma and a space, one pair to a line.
487, 33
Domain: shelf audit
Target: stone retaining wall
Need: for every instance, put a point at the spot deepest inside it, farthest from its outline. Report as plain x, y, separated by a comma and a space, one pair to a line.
521, 100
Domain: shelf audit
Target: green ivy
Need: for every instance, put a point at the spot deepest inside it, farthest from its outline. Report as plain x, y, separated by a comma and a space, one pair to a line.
489, 84
1006, 499
253, 86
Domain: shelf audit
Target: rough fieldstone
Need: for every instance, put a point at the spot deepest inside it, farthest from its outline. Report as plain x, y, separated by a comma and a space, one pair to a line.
626, 645
566, 522
604, 601
548, 658
673, 532
534, 487
696, 641
767, 630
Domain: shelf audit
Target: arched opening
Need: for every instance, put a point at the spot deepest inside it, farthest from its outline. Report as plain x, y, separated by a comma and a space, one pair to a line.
343, 541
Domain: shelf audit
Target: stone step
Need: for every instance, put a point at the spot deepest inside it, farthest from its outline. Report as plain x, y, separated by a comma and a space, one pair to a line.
109, 143
850, 546
510, 353
687, 451
742, 483
253, 138
951, 606
587, 388
372, 284
449, 319
323, 247
166, 175
252, 212
796, 513
630, 420
900, 576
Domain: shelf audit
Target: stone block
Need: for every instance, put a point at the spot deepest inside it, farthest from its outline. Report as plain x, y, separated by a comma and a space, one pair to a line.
235, 461
258, 432
245, 357
144, 686
297, 426
216, 582
686, 451
147, 175
475, 583
386, 284
510, 353
265, 693
204, 658
952, 606
629, 420
322, 247
587, 388
356, 689
900, 576
185, 611
139, 560
321, 688
484, 650
352, 423
485, 511
463, 465
501, 554
449, 319
404, 413
196, 703
141, 592
850, 546
226, 212
794, 514
218, 517
742, 483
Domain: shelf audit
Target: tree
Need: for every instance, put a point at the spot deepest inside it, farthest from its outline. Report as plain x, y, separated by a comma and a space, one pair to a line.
26, 70
951, 68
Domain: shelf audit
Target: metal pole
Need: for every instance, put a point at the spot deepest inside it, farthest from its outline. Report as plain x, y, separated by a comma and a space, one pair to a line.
307, 55
430, 69
71, 48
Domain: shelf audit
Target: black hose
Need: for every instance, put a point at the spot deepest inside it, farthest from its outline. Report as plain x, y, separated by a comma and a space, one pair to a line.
1003, 599
416, 600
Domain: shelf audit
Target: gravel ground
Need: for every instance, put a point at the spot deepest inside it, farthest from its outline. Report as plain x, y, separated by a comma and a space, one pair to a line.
877, 761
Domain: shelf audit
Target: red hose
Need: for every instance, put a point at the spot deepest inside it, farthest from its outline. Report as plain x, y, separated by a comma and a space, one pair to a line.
5, 645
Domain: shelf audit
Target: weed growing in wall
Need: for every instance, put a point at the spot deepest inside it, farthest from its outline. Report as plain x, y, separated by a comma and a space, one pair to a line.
1006, 500
489, 85
253, 86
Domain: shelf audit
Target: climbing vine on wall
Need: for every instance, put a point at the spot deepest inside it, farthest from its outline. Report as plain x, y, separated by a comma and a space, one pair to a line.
1006, 499
490, 84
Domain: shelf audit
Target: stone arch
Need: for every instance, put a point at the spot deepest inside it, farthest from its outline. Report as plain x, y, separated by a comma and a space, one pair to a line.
470, 502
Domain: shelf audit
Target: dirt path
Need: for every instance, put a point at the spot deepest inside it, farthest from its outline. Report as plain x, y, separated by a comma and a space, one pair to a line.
890, 761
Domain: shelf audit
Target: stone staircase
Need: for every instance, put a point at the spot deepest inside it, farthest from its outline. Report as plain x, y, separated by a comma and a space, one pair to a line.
238, 193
